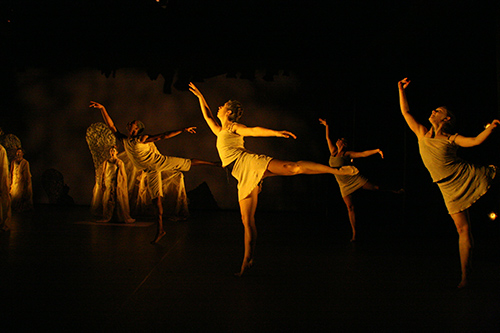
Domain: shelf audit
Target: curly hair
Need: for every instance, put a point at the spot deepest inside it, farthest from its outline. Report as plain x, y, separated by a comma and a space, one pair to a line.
236, 110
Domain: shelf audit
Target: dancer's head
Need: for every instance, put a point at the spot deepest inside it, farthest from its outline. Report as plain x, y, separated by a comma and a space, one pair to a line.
19, 153
232, 109
135, 127
113, 151
442, 115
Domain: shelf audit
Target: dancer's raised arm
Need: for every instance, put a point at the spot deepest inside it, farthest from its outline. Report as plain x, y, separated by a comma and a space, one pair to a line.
366, 153
463, 141
167, 135
106, 117
414, 125
331, 145
205, 110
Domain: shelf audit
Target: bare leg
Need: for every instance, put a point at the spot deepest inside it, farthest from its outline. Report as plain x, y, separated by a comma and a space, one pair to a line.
160, 231
352, 215
287, 168
248, 206
465, 243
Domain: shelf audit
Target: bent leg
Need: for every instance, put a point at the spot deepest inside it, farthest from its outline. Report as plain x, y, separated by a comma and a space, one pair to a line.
248, 206
348, 199
465, 243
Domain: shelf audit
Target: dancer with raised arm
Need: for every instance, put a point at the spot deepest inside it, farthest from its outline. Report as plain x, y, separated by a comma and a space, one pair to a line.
340, 156
250, 168
461, 183
141, 150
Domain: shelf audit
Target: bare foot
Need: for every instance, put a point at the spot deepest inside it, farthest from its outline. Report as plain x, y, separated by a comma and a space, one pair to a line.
159, 236
462, 284
245, 267
131, 220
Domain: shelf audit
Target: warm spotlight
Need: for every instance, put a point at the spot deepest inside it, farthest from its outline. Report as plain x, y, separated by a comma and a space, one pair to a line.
493, 216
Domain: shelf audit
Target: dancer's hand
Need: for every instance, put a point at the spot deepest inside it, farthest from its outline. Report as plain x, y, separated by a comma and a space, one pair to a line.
323, 122
194, 90
381, 153
286, 134
191, 130
493, 124
96, 105
403, 83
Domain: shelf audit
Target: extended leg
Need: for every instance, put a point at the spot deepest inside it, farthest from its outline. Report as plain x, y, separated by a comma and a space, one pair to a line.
159, 209
352, 215
287, 168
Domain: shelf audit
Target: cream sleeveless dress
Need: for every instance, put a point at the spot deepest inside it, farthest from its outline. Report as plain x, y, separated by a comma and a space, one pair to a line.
347, 183
460, 182
248, 168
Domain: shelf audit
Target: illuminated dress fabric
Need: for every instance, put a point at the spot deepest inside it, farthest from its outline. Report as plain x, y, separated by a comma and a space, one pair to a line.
347, 183
115, 196
460, 182
147, 157
5, 208
21, 191
248, 169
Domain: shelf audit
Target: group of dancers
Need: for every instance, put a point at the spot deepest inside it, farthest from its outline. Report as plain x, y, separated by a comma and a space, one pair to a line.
461, 183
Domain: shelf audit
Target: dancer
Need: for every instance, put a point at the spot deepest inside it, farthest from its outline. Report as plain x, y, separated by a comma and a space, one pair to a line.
250, 168
5, 203
461, 183
348, 184
21, 189
114, 186
141, 150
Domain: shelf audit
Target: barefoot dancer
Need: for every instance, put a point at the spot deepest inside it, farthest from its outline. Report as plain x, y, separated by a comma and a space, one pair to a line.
250, 168
461, 183
143, 153
348, 184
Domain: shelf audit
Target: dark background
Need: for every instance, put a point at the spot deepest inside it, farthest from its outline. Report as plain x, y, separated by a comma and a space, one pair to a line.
289, 62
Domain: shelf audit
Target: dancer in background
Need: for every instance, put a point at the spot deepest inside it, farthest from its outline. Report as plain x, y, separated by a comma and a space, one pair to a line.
21, 189
5, 203
348, 184
141, 150
114, 186
461, 183
251, 168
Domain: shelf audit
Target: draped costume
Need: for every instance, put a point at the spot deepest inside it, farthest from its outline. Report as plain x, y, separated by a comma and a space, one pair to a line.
22, 190
347, 183
145, 156
461, 183
5, 207
248, 167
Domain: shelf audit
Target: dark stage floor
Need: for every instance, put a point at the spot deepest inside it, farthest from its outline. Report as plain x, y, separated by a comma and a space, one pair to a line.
62, 275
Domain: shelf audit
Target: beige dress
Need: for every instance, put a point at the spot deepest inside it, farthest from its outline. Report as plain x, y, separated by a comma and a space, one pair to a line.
460, 182
5, 208
22, 190
145, 156
115, 196
347, 183
248, 168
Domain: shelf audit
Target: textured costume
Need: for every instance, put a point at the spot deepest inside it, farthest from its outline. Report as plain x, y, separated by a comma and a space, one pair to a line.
460, 182
5, 208
145, 156
347, 183
248, 167
21, 191
115, 196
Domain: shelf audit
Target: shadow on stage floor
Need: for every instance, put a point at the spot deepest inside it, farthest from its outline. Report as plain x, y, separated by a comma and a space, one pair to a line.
60, 274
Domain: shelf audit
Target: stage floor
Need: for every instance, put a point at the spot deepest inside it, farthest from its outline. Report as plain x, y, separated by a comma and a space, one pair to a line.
61, 272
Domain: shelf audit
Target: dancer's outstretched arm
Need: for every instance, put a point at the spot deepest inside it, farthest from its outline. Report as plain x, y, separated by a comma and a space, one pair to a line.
414, 125
463, 141
366, 153
331, 145
167, 135
205, 110
261, 131
106, 117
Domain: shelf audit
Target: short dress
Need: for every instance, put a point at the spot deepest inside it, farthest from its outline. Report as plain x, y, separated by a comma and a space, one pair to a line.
248, 168
461, 183
347, 183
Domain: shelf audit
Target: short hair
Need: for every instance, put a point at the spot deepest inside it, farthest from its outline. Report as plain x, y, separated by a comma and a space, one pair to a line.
140, 125
236, 110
